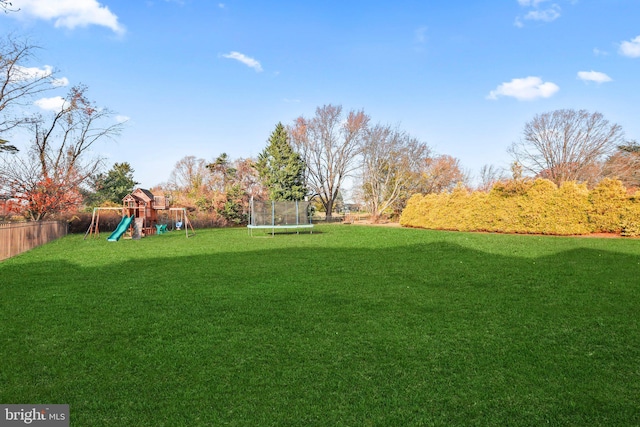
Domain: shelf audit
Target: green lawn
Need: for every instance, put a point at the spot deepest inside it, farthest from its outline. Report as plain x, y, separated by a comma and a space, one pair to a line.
348, 326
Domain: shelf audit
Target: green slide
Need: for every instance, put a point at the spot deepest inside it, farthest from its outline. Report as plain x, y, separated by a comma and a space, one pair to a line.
120, 229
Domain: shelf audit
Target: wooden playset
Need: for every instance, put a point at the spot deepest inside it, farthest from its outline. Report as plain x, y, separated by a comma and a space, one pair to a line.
143, 214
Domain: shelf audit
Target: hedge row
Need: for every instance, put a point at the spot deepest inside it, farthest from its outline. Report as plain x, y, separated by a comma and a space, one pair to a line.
529, 207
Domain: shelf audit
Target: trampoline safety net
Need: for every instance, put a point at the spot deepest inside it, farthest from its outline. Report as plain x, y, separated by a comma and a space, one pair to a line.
269, 214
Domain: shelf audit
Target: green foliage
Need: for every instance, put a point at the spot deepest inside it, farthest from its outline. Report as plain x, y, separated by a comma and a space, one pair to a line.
529, 206
281, 169
233, 208
112, 187
221, 168
608, 200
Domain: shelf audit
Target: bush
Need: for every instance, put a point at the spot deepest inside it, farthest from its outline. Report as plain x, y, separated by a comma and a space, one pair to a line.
526, 206
607, 206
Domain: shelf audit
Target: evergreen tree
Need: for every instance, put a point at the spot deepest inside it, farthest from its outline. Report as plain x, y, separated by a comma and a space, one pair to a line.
112, 187
233, 209
281, 169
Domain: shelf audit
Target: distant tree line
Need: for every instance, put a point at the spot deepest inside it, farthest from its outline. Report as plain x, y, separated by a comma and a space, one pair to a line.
313, 157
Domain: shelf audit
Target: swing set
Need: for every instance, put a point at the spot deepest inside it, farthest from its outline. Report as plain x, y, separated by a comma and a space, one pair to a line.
178, 219
143, 214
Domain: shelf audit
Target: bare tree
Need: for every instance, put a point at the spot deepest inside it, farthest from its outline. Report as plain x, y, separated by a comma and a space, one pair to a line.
63, 141
567, 145
7, 6
624, 164
190, 175
58, 162
328, 144
19, 83
246, 176
489, 175
391, 167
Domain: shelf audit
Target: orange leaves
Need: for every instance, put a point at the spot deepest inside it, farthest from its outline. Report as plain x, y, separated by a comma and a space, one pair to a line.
48, 198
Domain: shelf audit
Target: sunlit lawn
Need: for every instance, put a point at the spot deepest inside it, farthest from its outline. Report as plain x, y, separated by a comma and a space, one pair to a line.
348, 326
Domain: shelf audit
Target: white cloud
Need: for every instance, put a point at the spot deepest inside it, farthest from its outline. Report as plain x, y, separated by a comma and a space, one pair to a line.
51, 104
248, 61
546, 15
28, 73
70, 13
594, 76
122, 119
526, 89
536, 13
20, 73
530, 3
631, 48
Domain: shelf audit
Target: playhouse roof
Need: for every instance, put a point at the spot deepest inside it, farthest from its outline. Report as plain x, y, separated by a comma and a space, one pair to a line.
142, 194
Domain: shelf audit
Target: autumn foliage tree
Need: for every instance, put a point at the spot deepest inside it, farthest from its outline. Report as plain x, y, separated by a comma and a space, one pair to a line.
219, 190
58, 160
440, 173
48, 196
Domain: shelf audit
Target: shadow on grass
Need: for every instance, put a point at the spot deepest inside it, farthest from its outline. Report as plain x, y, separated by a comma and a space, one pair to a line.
430, 333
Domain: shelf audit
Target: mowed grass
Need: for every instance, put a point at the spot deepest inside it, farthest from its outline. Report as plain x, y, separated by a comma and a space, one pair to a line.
348, 326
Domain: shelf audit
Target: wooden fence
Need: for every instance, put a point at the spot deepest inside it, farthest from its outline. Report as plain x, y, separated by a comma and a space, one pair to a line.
16, 238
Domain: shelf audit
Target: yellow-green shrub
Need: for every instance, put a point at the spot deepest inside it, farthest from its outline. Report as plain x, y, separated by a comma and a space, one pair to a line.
533, 206
607, 206
630, 223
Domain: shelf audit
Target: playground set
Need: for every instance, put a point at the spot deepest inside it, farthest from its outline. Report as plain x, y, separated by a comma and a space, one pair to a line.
143, 214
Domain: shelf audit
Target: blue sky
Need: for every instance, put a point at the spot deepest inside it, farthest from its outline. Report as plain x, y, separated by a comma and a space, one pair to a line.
199, 77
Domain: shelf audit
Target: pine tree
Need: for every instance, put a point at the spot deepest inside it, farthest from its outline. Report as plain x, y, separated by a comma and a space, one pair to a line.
112, 187
281, 169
